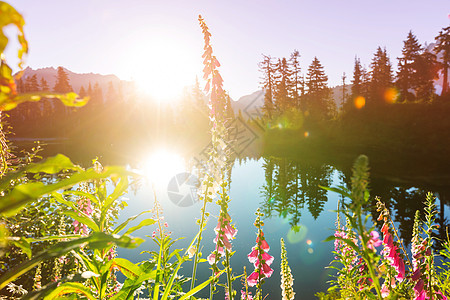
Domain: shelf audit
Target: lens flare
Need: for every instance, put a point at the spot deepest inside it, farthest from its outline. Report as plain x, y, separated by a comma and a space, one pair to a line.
306, 134
391, 95
309, 242
360, 102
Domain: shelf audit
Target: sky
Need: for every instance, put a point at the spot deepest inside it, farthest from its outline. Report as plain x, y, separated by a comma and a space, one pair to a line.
159, 43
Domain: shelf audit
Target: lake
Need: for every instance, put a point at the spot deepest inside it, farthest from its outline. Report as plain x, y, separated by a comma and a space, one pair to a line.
285, 188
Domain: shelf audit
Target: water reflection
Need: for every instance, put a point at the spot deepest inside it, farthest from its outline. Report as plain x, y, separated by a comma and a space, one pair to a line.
291, 185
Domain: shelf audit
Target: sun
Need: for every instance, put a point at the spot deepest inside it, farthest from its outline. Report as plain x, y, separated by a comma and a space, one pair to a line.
162, 65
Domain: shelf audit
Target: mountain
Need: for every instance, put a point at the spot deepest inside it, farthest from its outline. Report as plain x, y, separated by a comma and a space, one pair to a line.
78, 80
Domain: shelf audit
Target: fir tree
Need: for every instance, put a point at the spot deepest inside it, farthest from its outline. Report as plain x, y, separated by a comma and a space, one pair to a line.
82, 92
62, 84
407, 72
426, 70
296, 78
32, 84
316, 80
381, 76
283, 86
97, 94
111, 94
44, 85
318, 96
443, 47
267, 68
357, 78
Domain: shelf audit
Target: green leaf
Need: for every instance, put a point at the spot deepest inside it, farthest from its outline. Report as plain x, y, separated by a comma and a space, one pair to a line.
127, 268
69, 288
200, 286
119, 190
52, 165
340, 190
146, 222
24, 193
81, 194
82, 218
97, 240
22, 243
124, 224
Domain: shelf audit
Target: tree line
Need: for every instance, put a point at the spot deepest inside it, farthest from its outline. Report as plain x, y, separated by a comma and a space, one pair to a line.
287, 88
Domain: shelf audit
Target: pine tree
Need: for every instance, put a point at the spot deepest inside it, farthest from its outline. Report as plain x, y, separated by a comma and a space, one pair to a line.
318, 95
111, 94
357, 79
82, 92
426, 69
283, 86
407, 73
296, 78
20, 86
90, 92
316, 80
97, 94
62, 84
32, 84
381, 76
44, 85
266, 67
443, 46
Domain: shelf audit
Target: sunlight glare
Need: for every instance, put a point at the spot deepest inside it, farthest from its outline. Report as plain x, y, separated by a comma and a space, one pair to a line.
161, 66
161, 166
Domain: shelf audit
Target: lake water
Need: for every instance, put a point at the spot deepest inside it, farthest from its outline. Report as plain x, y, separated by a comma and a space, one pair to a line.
286, 189
296, 208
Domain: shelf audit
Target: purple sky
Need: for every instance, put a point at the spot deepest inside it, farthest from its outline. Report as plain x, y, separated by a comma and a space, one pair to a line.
115, 36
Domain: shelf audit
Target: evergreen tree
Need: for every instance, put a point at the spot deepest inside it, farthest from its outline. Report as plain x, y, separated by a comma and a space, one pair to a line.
44, 85
407, 72
97, 94
90, 92
62, 84
443, 47
20, 86
283, 86
111, 94
316, 80
82, 92
381, 76
318, 96
32, 84
267, 68
357, 78
296, 78
426, 70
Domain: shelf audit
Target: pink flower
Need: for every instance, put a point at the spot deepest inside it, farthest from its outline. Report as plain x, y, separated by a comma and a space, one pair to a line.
260, 259
245, 296
224, 233
253, 279
374, 241
211, 258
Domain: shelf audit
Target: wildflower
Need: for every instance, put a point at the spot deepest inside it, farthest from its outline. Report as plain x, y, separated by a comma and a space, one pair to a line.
224, 233
246, 296
287, 281
259, 257
374, 241
84, 205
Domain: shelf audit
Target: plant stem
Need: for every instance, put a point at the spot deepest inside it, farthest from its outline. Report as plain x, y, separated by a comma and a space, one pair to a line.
230, 288
194, 270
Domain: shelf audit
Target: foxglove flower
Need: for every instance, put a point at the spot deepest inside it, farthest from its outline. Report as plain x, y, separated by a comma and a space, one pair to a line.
259, 257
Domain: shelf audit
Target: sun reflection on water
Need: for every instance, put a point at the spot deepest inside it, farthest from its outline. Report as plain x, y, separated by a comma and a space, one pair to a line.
160, 166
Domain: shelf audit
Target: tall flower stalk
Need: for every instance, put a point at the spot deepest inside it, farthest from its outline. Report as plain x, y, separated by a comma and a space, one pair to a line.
260, 258
287, 280
214, 179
